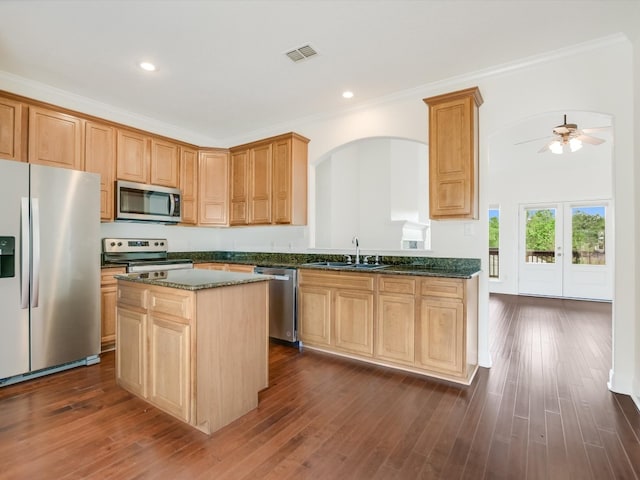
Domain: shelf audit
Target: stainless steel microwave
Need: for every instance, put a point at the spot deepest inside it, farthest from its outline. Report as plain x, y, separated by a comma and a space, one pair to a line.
151, 203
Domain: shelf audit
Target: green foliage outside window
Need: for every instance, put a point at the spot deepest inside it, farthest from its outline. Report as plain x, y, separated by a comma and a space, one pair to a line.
494, 232
541, 230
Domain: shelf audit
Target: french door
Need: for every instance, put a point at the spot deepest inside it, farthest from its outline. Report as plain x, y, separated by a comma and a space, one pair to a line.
565, 250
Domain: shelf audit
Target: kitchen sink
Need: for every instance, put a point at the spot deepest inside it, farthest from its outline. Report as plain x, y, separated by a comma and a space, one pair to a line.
328, 264
363, 266
368, 266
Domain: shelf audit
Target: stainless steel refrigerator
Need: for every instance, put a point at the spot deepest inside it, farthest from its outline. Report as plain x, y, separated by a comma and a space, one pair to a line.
49, 269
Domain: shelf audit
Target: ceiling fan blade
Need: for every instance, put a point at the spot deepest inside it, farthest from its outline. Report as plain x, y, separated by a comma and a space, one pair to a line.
596, 129
532, 140
546, 147
590, 140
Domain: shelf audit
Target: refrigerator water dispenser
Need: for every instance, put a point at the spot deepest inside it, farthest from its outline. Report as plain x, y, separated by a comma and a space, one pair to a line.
7, 257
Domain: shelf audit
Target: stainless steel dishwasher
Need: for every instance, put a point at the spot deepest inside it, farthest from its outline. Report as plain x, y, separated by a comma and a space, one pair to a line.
283, 299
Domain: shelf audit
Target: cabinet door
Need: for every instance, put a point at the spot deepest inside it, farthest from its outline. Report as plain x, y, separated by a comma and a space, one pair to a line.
108, 295
239, 194
55, 139
131, 353
100, 158
440, 337
314, 308
213, 175
260, 162
12, 130
289, 189
353, 321
282, 181
235, 267
453, 155
132, 159
170, 366
395, 328
165, 164
189, 185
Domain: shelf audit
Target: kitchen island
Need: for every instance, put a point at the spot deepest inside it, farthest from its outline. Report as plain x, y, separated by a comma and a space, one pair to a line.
194, 343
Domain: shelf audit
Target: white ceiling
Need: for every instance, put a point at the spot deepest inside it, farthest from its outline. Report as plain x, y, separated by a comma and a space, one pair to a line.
222, 65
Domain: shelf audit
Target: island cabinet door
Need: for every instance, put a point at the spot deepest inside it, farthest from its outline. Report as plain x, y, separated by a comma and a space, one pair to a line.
131, 354
170, 366
315, 315
354, 322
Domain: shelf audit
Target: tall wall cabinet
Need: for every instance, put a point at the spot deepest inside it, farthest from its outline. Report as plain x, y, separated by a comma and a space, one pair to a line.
453, 154
269, 181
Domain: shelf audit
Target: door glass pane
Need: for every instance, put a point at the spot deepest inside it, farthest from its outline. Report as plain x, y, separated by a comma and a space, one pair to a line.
588, 235
540, 235
494, 243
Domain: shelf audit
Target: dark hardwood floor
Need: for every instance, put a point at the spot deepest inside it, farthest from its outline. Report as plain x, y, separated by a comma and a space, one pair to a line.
542, 411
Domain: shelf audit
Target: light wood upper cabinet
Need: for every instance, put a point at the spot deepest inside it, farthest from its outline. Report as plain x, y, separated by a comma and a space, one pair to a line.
289, 190
269, 181
132, 156
189, 185
453, 154
260, 161
147, 159
165, 163
213, 187
13, 130
55, 139
100, 158
239, 188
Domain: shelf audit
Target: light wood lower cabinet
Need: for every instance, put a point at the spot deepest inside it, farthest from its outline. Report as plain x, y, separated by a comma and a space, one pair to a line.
200, 356
336, 310
108, 300
395, 319
426, 325
228, 267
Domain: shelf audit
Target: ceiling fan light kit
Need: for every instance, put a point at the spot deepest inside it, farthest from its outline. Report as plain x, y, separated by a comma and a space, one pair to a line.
568, 139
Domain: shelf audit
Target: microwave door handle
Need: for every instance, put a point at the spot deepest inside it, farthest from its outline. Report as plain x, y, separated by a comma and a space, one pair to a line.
172, 204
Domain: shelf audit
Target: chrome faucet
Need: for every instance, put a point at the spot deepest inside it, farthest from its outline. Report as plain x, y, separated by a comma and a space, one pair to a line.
354, 240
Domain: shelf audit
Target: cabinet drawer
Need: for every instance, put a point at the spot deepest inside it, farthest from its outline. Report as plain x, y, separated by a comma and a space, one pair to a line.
176, 304
442, 287
355, 281
133, 295
393, 284
106, 275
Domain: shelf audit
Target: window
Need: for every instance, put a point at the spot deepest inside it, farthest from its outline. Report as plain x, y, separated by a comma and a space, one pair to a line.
494, 243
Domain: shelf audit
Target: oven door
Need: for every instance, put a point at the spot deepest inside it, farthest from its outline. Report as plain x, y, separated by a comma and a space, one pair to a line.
151, 203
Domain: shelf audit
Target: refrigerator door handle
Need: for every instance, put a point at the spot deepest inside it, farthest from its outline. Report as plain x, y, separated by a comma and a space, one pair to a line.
35, 212
24, 253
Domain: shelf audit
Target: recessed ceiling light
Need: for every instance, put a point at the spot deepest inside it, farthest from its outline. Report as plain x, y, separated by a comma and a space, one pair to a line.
347, 94
148, 66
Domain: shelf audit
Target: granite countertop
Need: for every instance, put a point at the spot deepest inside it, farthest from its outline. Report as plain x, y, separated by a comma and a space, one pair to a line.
408, 269
193, 279
392, 265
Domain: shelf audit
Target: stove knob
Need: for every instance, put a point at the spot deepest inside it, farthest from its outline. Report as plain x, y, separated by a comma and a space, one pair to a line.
119, 244
113, 244
162, 243
156, 244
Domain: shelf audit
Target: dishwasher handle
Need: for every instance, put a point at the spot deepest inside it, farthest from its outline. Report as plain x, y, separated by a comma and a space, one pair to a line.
275, 276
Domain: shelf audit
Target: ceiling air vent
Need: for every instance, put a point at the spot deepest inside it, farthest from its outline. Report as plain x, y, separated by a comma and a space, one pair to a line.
301, 53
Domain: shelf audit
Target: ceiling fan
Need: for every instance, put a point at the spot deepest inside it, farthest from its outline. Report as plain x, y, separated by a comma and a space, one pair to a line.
569, 138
